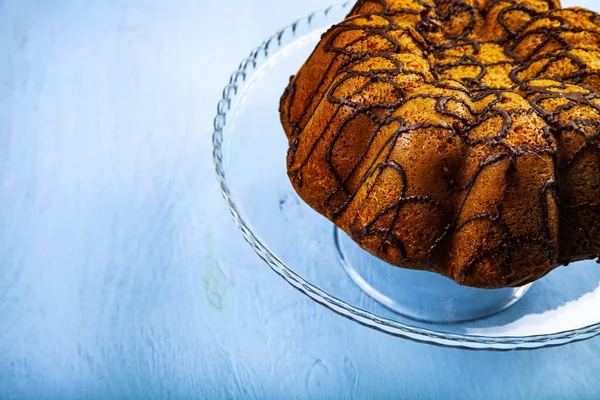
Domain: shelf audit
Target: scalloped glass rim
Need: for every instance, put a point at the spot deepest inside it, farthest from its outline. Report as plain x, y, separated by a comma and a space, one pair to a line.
472, 342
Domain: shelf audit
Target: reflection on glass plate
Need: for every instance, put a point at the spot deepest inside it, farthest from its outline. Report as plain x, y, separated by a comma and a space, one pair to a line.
298, 244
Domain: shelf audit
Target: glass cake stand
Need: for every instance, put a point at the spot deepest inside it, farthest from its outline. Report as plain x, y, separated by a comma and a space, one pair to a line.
313, 256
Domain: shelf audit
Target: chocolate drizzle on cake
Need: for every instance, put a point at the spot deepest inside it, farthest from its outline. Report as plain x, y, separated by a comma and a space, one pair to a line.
457, 136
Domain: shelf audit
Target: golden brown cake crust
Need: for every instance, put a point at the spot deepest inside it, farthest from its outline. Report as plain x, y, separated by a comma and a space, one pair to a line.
456, 136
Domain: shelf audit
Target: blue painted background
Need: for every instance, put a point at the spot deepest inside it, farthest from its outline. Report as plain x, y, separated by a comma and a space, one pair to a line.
121, 272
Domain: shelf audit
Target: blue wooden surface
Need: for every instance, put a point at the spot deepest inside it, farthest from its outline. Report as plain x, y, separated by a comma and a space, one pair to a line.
121, 272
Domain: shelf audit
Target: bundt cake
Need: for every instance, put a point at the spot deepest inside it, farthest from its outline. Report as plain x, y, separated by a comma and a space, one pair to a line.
455, 136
